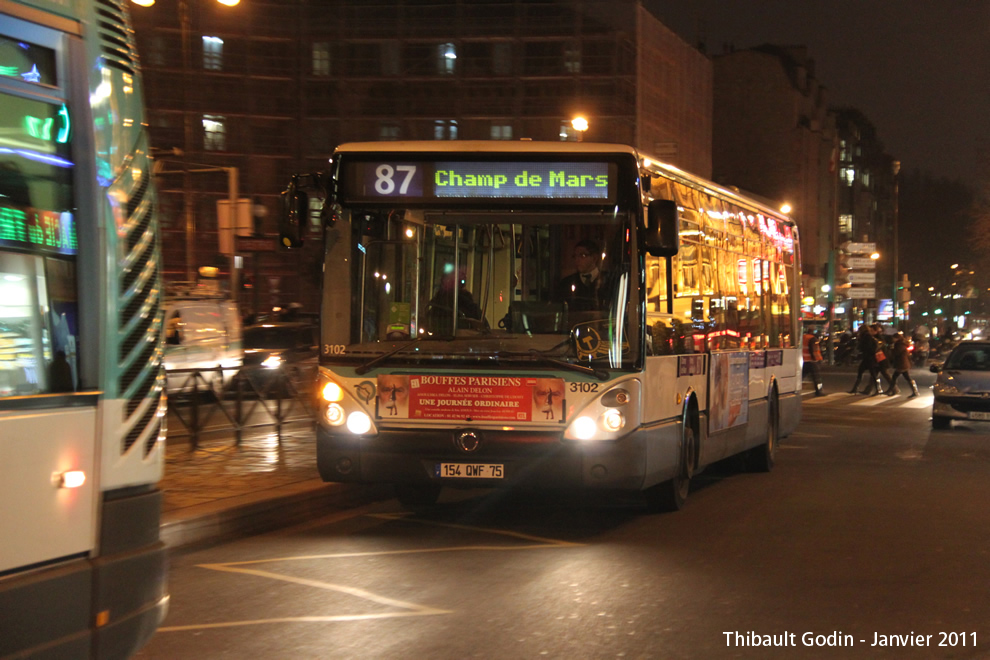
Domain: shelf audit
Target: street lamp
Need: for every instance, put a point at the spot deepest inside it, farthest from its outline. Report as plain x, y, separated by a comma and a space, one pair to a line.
579, 124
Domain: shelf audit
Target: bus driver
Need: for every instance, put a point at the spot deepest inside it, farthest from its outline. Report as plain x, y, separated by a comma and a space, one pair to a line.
583, 290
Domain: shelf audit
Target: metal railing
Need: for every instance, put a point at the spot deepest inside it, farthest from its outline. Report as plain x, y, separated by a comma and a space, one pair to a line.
216, 400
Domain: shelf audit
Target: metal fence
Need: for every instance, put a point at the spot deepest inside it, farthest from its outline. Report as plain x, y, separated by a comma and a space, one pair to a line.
205, 401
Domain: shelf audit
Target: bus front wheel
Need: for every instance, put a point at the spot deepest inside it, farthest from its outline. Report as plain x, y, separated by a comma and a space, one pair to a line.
671, 495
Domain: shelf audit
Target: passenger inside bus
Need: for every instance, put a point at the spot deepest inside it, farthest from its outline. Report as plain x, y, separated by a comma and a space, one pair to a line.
440, 312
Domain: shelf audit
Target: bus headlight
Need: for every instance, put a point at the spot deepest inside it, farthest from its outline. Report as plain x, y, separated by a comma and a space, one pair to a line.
584, 428
335, 414
332, 392
358, 423
612, 420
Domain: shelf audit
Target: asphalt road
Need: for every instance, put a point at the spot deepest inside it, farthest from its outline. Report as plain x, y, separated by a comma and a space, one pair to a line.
871, 531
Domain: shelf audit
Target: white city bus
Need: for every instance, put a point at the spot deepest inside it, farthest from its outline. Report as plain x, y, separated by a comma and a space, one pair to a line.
456, 350
82, 570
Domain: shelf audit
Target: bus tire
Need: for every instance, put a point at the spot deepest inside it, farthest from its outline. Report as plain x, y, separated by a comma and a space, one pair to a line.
762, 457
671, 495
417, 496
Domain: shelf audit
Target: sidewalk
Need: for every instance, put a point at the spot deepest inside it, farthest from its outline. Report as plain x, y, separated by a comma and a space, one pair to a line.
223, 490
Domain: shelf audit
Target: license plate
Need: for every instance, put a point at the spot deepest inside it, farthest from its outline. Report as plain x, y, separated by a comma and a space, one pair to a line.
982, 416
469, 470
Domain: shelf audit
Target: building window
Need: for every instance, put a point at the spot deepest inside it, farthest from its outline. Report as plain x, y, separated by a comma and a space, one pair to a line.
845, 223
502, 59
501, 132
567, 132
445, 129
848, 175
446, 58
572, 57
390, 58
212, 53
321, 58
388, 132
214, 133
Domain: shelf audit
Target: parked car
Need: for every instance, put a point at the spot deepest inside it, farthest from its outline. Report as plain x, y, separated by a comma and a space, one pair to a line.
962, 388
280, 351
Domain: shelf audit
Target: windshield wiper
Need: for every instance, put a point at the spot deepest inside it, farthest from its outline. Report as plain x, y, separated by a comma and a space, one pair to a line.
375, 361
600, 374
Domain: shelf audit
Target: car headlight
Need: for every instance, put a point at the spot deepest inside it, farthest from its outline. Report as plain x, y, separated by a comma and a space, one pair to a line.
272, 362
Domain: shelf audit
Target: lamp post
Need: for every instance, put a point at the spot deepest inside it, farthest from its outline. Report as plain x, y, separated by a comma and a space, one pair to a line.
187, 130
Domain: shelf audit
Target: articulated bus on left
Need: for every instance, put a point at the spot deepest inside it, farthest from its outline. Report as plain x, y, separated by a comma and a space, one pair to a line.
82, 568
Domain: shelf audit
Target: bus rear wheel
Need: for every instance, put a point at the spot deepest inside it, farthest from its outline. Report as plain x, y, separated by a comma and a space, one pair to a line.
762, 457
671, 495
417, 496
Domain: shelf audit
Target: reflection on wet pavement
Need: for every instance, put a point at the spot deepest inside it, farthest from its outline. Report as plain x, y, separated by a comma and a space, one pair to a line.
219, 469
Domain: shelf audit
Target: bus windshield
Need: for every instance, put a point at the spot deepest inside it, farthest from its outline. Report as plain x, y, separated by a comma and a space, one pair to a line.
479, 287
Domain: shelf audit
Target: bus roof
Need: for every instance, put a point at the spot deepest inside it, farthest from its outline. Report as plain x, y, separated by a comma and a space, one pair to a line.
486, 146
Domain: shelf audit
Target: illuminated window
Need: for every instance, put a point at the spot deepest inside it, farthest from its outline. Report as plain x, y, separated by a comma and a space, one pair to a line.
845, 223
388, 132
848, 175
214, 133
212, 53
572, 58
321, 58
501, 132
567, 132
446, 58
445, 129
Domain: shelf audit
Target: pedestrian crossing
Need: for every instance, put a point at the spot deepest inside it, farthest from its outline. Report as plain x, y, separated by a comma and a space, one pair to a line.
924, 400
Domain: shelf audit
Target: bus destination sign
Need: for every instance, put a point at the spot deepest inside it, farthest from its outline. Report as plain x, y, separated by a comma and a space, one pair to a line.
459, 180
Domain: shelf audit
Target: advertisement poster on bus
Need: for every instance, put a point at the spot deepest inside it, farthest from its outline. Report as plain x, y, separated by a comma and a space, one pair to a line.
478, 398
728, 403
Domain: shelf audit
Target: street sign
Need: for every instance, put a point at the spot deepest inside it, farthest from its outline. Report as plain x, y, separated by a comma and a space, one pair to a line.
860, 263
255, 243
861, 292
859, 248
862, 278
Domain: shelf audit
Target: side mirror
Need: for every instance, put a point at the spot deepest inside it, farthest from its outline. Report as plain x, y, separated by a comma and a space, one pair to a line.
663, 228
293, 217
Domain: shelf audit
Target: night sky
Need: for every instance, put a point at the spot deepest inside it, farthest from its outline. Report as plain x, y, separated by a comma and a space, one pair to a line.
919, 70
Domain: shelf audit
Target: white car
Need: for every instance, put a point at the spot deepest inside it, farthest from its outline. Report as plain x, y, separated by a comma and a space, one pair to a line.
202, 339
962, 389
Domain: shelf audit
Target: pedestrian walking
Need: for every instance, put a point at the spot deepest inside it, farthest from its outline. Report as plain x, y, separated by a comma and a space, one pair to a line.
901, 358
812, 352
868, 347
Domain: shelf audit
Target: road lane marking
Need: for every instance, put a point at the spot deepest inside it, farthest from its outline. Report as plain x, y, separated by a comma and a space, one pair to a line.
406, 609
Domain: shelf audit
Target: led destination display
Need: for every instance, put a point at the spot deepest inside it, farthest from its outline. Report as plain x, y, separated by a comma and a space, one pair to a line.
455, 180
